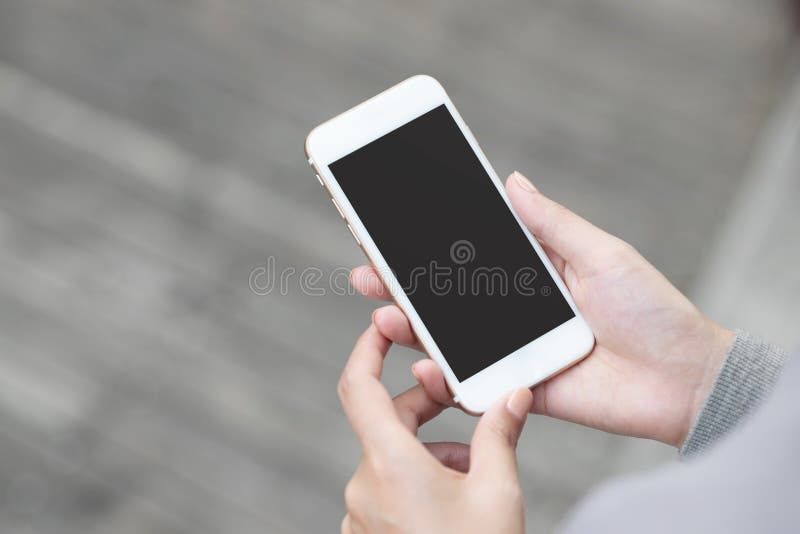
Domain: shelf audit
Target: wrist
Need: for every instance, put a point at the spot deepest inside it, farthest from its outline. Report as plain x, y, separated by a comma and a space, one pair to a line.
708, 361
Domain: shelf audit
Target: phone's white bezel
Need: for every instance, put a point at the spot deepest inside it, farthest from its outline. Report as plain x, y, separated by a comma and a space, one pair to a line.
525, 367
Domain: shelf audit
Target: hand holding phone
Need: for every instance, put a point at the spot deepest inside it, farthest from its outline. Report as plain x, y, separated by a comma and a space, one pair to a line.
656, 355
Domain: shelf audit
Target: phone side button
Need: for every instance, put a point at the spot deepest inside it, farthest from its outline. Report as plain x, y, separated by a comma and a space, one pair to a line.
358, 242
319, 180
337, 208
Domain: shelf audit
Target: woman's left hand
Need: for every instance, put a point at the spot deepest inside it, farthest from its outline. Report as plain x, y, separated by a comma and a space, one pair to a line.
404, 485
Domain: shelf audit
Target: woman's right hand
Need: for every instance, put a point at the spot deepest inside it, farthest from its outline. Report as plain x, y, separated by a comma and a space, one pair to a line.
656, 356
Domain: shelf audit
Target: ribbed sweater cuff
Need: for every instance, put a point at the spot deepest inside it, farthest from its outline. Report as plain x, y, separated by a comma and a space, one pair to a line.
748, 374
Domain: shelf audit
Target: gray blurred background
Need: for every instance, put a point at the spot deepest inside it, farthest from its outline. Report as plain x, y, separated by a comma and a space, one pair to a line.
151, 158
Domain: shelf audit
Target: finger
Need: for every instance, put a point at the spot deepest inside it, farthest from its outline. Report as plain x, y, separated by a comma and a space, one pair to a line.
572, 237
430, 377
555, 258
366, 280
347, 526
415, 408
394, 325
494, 442
450, 454
366, 402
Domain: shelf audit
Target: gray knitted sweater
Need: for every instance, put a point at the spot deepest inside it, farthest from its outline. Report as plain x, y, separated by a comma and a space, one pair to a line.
748, 375
747, 482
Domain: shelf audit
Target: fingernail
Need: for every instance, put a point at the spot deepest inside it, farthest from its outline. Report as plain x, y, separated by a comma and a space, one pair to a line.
374, 313
524, 183
519, 403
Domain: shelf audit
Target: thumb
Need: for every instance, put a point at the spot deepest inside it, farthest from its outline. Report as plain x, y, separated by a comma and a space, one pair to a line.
575, 239
494, 443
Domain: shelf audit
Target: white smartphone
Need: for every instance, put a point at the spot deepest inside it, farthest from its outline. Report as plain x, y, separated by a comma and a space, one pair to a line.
430, 213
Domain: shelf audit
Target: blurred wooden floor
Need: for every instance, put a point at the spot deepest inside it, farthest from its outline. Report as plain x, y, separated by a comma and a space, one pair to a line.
151, 158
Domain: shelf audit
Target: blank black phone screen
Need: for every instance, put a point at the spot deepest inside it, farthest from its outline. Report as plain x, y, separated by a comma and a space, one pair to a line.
452, 242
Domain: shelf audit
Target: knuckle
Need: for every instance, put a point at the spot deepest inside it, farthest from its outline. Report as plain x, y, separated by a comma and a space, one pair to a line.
616, 253
382, 470
352, 497
341, 388
624, 250
554, 216
505, 488
504, 433
345, 384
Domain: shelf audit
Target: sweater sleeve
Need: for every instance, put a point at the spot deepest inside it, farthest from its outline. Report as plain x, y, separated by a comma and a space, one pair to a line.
748, 374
